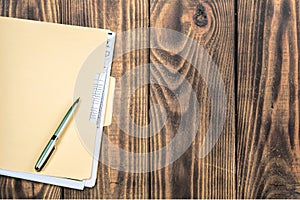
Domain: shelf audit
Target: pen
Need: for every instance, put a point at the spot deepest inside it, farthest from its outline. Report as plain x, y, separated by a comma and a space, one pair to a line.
44, 157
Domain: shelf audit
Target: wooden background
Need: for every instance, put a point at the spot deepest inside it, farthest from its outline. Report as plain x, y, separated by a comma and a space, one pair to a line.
255, 45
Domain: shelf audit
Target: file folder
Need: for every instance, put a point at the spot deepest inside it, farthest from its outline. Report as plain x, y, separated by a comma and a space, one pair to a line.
43, 68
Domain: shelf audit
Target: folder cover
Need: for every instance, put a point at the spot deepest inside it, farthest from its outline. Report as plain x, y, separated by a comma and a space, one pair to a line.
41, 67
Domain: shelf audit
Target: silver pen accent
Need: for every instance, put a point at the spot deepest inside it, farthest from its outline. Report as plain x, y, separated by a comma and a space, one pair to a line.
48, 150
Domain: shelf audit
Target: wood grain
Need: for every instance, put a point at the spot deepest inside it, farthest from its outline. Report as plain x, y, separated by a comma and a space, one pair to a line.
256, 156
268, 153
190, 176
117, 16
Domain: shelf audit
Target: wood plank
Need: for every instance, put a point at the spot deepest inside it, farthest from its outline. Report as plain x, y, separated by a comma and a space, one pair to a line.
191, 177
268, 151
117, 16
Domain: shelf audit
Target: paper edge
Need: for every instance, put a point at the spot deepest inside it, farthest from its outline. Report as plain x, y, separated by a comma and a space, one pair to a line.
92, 181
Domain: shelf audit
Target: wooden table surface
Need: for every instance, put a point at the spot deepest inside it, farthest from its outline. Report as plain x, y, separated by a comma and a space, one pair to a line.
255, 46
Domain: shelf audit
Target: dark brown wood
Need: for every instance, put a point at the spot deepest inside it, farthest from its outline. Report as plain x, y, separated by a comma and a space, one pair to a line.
15, 188
213, 27
268, 154
259, 159
119, 16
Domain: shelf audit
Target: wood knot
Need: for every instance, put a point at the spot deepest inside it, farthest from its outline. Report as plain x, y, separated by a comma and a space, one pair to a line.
200, 18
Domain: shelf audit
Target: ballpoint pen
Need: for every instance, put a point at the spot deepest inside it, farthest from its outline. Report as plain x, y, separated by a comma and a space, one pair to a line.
44, 157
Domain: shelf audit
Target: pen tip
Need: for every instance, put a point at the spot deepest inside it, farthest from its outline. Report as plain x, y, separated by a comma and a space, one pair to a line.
77, 100
37, 169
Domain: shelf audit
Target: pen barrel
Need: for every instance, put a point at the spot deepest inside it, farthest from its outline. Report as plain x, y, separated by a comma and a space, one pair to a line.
51, 144
66, 119
45, 155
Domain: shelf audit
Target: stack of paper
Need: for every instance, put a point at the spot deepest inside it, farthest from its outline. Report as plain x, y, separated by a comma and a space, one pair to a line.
44, 67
